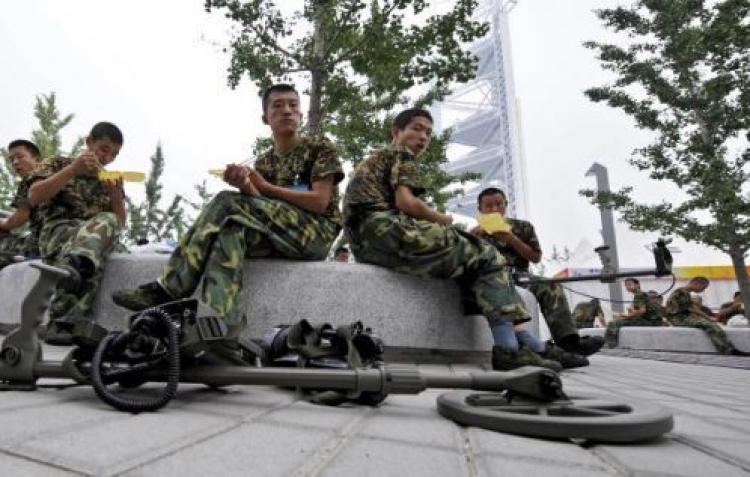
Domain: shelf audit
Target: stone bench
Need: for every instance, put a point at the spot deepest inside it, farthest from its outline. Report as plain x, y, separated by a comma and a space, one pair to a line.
413, 315
669, 338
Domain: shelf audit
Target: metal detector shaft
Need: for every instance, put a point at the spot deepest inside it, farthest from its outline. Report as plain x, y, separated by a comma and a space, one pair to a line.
608, 277
530, 381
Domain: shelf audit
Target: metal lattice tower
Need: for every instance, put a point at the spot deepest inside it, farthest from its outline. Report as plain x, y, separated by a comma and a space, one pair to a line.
484, 117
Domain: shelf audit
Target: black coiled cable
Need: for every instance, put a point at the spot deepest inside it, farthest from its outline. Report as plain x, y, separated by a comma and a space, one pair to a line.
132, 404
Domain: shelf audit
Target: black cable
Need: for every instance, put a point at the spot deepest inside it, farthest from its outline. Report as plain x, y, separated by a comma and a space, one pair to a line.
132, 404
674, 281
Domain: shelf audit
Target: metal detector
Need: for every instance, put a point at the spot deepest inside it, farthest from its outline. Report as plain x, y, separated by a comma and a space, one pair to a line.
174, 344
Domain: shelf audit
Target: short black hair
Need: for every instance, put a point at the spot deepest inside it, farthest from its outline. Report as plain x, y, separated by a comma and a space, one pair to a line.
490, 191
403, 118
341, 249
634, 280
30, 146
277, 88
106, 130
699, 279
737, 293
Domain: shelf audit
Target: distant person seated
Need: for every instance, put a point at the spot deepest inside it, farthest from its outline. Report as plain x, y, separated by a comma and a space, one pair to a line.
644, 312
341, 254
24, 157
730, 309
706, 311
682, 312
588, 312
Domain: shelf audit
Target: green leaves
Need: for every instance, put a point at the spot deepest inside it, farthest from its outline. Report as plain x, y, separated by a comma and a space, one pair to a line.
683, 73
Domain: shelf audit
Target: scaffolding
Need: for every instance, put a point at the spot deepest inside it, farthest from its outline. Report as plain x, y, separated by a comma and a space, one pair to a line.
483, 116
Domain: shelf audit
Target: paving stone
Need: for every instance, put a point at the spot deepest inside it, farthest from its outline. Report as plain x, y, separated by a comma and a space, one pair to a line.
668, 457
114, 444
692, 426
501, 466
251, 449
377, 458
16, 466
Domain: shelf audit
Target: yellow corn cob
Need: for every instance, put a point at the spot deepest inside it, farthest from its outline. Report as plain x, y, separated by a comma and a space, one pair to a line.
126, 176
492, 223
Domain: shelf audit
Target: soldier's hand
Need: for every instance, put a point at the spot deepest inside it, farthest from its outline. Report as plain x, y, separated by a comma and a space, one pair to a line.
239, 177
446, 219
260, 183
86, 164
476, 230
115, 189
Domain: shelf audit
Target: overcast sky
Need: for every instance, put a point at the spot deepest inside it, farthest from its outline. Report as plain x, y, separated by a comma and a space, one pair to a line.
156, 69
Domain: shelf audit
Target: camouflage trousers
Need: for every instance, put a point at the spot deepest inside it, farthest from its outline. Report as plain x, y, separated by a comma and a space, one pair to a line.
10, 246
424, 249
232, 227
612, 331
555, 309
717, 335
93, 239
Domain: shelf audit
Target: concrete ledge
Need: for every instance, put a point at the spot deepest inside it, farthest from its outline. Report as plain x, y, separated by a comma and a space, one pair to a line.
673, 338
407, 312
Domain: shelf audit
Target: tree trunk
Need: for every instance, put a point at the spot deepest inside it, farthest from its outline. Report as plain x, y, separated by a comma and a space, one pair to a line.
318, 73
740, 271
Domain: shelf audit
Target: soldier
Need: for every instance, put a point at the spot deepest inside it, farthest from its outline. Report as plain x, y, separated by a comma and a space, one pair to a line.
520, 246
284, 207
732, 308
644, 312
682, 312
586, 312
341, 254
81, 218
387, 224
24, 157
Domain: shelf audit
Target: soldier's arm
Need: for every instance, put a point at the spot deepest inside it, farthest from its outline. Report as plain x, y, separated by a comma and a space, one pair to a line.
415, 207
521, 247
45, 189
16, 219
315, 200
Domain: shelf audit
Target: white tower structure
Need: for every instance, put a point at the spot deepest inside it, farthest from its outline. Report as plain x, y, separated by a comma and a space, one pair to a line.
484, 119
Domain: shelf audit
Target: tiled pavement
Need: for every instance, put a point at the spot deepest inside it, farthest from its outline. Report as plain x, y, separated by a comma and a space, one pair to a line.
266, 431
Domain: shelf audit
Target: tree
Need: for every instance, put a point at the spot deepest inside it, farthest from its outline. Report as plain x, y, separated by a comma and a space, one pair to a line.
685, 76
46, 136
360, 58
147, 221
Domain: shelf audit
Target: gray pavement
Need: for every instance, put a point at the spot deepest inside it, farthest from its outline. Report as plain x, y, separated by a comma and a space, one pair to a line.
243, 430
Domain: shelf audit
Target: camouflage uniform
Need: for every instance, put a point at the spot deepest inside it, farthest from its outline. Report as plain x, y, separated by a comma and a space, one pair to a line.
585, 313
77, 221
234, 226
652, 317
382, 235
551, 297
26, 245
679, 311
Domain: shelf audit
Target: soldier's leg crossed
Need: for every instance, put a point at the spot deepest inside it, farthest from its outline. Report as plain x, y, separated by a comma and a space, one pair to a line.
424, 249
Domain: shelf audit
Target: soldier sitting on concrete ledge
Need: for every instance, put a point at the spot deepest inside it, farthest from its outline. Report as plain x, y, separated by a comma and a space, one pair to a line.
519, 246
644, 312
732, 308
387, 224
588, 312
81, 218
286, 207
24, 157
681, 311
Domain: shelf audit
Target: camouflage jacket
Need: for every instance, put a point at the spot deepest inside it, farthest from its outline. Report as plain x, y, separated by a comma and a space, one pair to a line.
21, 199
81, 198
523, 230
679, 304
310, 161
374, 182
641, 300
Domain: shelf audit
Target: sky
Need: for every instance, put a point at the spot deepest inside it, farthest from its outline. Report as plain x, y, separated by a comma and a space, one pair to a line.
157, 70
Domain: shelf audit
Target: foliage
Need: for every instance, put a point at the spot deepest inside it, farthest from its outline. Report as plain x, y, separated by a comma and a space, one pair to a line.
685, 76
